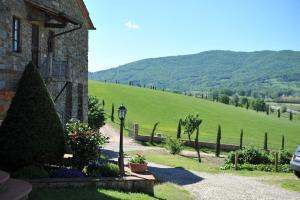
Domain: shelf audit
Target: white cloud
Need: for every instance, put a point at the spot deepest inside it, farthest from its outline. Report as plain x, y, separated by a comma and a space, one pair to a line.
131, 25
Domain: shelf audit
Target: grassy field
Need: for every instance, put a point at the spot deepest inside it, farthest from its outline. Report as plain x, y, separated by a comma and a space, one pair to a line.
163, 191
146, 107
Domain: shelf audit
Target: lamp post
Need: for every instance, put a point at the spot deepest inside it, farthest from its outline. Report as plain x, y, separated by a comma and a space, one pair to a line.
121, 114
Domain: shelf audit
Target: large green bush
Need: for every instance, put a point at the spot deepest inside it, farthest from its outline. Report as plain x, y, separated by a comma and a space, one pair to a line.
96, 113
251, 155
175, 146
32, 131
84, 142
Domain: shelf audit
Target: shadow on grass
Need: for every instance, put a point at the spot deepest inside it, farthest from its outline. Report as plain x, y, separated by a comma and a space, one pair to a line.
177, 175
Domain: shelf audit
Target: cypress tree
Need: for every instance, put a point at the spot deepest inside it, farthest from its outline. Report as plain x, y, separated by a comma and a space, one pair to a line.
267, 109
218, 143
112, 116
247, 105
32, 132
179, 129
103, 103
282, 143
278, 113
241, 138
266, 141
291, 115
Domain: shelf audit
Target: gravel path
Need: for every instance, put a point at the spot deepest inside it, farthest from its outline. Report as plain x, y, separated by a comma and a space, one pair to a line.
203, 185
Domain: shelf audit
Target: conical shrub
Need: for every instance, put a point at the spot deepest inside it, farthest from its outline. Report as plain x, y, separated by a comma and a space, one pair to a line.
32, 132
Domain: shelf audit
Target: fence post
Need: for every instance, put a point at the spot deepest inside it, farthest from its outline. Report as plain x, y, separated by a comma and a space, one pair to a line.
276, 161
136, 130
236, 160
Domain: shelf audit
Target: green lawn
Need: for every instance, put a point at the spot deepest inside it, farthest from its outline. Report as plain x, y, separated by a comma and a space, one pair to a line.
163, 191
146, 107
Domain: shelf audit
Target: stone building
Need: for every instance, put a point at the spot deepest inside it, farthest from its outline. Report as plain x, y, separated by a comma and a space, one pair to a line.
53, 34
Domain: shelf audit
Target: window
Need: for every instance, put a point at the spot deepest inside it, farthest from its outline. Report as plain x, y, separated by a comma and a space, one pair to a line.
16, 47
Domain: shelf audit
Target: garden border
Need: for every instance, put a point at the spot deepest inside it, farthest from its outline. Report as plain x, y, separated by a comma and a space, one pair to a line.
132, 183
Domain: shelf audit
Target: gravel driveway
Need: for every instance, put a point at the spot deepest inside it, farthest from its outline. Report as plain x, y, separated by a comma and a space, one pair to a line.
203, 185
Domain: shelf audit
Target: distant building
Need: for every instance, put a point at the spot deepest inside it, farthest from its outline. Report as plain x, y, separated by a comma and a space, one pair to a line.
53, 34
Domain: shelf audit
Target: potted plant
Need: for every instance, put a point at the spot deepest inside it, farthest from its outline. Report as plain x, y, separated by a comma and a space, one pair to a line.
137, 163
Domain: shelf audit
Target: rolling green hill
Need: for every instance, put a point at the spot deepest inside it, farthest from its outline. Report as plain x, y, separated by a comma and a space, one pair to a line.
146, 107
267, 71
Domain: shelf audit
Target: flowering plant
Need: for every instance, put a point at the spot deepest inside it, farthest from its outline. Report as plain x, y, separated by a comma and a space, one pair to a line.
84, 142
138, 159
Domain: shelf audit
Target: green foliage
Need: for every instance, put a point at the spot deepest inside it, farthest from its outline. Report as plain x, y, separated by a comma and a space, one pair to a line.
278, 113
259, 105
153, 132
31, 172
191, 124
291, 115
137, 159
179, 129
236, 100
266, 141
146, 107
175, 146
241, 138
32, 131
251, 155
84, 142
225, 99
96, 118
102, 170
284, 157
259, 167
112, 116
218, 143
215, 69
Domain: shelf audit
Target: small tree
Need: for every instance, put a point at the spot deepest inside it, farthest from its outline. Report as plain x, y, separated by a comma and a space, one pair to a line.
241, 139
278, 113
236, 100
291, 115
153, 132
112, 116
96, 116
179, 129
267, 109
103, 103
266, 141
247, 105
218, 143
191, 124
282, 142
32, 132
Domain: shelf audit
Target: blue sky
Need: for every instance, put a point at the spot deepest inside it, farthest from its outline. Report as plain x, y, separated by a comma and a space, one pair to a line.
130, 30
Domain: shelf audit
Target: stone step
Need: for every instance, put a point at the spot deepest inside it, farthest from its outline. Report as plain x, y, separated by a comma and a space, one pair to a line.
15, 190
4, 176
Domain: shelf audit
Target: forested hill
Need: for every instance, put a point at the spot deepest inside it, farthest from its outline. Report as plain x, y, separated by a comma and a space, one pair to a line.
270, 71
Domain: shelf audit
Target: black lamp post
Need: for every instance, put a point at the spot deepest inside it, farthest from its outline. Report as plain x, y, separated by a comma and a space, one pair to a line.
122, 114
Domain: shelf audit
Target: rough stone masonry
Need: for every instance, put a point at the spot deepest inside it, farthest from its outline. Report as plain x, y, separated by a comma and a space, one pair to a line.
30, 31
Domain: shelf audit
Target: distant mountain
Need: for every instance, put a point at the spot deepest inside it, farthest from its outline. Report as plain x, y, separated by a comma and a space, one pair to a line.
268, 71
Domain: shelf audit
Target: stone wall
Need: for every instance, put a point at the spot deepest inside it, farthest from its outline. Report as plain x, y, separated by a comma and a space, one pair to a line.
71, 48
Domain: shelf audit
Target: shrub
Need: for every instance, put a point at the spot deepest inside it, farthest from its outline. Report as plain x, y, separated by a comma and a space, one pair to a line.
218, 142
261, 167
112, 116
284, 157
32, 131
67, 173
249, 155
137, 159
30, 172
84, 142
175, 146
102, 170
96, 117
